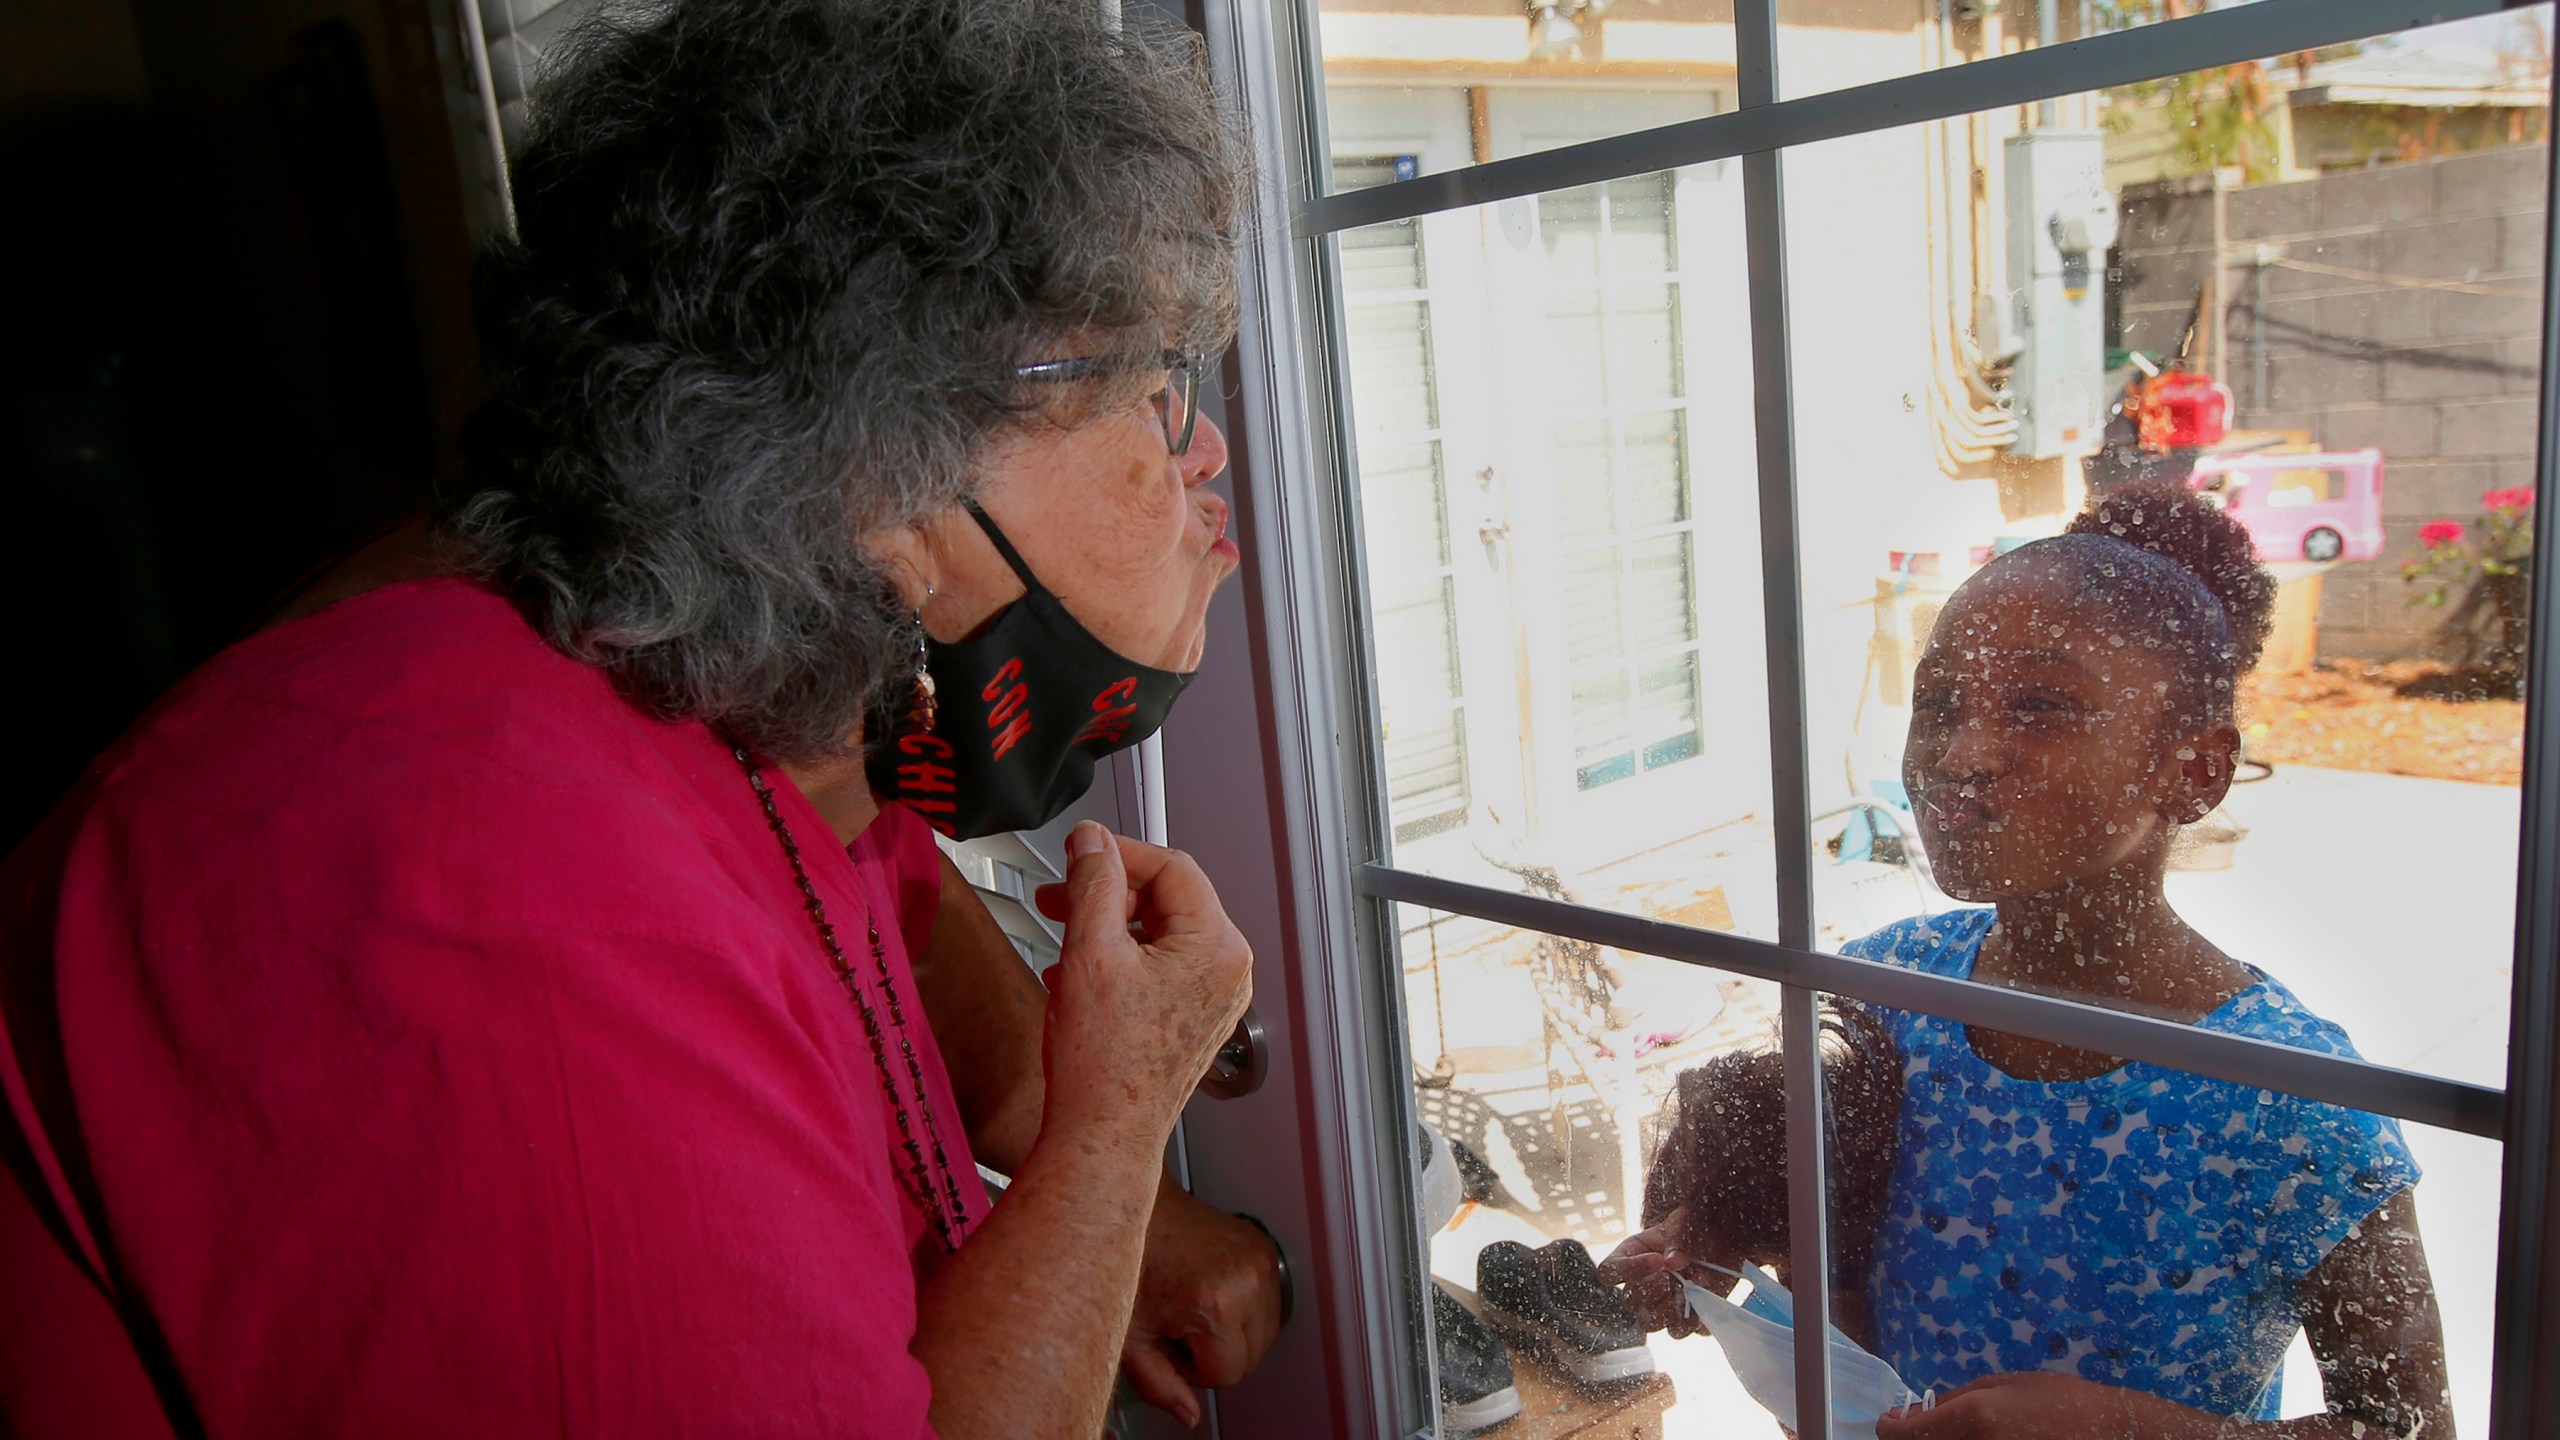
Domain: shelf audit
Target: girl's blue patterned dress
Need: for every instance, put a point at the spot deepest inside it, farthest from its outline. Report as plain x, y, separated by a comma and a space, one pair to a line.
2145, 1228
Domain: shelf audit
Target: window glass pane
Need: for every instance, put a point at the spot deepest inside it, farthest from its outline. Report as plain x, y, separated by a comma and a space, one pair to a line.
1536, 457
1642, 227
1669, 697
1422, 721
1664, 605
1548, 1077
1644, 342
1657, 470
1595, 612
1407, 500
1715, 1189
2226, 732
1631, 68
1585, 479
1422, 725
1427, 748
1835, 44
2141, 1228
1424, 89
1387, 257
1391, 353
1578, 344
1603, 739
1414, 632
2153, 1230
1569, 227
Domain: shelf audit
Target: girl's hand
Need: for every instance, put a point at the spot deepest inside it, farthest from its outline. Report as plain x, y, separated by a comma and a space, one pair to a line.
1650, 1264
2040, 1405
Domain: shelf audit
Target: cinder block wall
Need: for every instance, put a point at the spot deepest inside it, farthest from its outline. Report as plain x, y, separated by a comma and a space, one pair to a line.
2428, 346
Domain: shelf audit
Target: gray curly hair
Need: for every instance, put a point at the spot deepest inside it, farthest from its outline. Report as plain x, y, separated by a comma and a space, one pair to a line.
776, 263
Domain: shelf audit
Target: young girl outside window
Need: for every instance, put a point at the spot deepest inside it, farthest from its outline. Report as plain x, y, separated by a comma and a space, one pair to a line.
2070, 1245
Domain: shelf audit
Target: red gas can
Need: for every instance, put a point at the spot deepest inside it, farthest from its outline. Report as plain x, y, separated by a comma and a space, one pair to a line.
2184, 410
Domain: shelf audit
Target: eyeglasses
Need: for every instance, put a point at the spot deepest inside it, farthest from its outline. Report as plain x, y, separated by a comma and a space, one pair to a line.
1177, 405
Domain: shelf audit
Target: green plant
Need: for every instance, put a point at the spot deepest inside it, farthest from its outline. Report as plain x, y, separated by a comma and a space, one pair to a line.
2481, 575
2218, 119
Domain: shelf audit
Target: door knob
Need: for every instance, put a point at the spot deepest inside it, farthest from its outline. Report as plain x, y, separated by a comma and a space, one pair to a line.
1241, 1062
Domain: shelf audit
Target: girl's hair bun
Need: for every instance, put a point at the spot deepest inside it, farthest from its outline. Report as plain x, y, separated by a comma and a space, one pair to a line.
2178, 523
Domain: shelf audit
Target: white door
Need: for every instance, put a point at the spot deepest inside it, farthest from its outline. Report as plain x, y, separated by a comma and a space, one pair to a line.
1631, 480
1544, 543
1425, 447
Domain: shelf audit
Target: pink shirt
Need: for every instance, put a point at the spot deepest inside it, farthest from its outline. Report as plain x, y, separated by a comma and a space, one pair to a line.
406, 1036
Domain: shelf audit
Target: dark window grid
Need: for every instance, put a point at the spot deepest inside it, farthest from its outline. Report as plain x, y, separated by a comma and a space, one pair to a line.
1756, 132
1761, 122
2358, 1084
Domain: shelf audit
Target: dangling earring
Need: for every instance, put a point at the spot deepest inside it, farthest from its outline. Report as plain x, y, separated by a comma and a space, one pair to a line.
923, 707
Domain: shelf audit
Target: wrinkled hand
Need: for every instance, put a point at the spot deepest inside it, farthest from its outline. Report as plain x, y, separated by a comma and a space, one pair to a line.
1651, 1263
2040, 1405
1208, 1305
1149, 982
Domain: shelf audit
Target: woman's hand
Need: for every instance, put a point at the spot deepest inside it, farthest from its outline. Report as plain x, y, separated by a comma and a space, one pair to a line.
1208, 1304
1021, 1327
1151, 980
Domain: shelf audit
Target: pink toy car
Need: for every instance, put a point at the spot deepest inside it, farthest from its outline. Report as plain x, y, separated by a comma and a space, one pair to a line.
2319, 507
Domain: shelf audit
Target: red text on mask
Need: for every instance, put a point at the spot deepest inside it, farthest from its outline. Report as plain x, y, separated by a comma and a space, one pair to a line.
1011, 716
1111, 715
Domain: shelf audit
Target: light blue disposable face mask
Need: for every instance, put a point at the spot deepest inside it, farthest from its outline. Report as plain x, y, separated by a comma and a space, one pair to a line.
1759, 1341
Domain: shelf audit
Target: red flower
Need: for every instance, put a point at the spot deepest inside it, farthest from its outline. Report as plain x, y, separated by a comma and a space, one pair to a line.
2439, 532
2519, 498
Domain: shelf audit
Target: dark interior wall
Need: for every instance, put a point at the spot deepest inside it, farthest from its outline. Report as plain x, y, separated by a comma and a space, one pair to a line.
237, 337
70, 50
91, 646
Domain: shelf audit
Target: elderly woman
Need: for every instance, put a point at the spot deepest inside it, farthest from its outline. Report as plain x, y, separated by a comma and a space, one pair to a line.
496, 1001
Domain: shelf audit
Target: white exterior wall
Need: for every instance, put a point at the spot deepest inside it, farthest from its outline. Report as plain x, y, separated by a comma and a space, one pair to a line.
1869, 473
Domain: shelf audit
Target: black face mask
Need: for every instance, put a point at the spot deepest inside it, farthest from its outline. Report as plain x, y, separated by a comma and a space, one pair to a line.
1025, 708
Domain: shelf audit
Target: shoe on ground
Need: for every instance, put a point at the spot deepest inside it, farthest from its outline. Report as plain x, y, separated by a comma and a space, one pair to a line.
1475, 1374
1550, 1302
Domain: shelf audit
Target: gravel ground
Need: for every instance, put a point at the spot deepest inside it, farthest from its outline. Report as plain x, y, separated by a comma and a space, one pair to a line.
2409, 717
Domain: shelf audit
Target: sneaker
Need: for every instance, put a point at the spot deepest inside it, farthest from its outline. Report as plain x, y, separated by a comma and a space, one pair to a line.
1475, 1374
1550, 1302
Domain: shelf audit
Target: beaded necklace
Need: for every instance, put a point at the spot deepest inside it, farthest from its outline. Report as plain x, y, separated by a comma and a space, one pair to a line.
944, 1209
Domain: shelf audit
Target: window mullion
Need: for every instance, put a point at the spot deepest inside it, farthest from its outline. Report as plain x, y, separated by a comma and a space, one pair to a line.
1755, 29
2353, 1084
2524, 1395
2223, 36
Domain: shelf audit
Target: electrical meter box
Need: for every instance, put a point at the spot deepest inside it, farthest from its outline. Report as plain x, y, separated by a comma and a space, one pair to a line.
2062, 222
